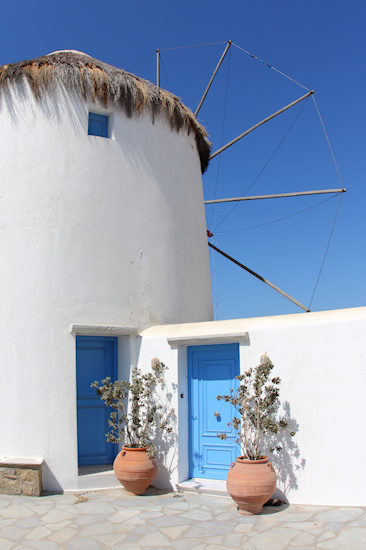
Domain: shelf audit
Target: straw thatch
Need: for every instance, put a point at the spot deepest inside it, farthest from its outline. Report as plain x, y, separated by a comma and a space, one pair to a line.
107, 85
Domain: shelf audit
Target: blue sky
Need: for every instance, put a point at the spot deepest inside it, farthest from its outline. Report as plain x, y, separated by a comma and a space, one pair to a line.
318, 43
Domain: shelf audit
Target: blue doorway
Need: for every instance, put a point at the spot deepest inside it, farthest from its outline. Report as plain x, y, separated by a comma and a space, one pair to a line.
96, 358
211, 372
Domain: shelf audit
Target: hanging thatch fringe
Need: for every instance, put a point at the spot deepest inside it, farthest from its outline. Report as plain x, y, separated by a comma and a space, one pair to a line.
106, 84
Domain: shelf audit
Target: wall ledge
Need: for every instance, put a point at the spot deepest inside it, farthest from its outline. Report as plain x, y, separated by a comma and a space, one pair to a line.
102, 330
203, 339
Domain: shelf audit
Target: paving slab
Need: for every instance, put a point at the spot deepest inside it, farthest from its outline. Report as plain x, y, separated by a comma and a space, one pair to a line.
105, 519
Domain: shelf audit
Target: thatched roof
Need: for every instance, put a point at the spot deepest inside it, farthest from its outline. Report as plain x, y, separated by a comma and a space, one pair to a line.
108, 85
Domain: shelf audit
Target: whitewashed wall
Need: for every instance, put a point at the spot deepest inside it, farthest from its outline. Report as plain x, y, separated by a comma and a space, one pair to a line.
320, 359
93, 231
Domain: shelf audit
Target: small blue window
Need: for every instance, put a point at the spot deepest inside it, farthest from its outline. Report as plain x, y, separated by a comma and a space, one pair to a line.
98, 125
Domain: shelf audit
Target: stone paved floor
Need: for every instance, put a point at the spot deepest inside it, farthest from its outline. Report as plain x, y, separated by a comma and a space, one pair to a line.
113, 519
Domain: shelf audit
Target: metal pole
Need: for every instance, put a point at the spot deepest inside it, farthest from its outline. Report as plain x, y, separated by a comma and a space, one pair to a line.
158, 68
280, 196
260, 123
259, 277
212, 77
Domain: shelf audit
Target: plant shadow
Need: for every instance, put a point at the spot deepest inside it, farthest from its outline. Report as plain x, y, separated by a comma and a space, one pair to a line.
288, 461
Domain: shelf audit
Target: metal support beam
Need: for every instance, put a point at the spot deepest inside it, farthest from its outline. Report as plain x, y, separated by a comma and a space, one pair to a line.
158, 68
260, 123
212, 77
280, 196
259, 277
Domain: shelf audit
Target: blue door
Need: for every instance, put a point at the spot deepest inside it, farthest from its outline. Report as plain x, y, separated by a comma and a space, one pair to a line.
96, 358
211, 371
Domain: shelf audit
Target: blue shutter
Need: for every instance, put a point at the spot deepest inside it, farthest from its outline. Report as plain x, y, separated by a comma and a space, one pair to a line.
98, 125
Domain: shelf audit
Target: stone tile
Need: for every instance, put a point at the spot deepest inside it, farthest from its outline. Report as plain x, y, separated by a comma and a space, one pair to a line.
156, 540
334, 526
96, 508
300, 525
102, 528
349, 539
167, 521
210, 528
124, 515
142, 530
342, 515
214, 540
112, 540
27, 523
359, 522
66, 534
6, 544
235, 540
9, 521
315, 532
175, 531
16, 511
326, 536
43, 545
82, 544
198, 515
38, 533
150, 516
4, 502
302, 539
275, 539
39, 509
59, 526
85, 519
243, 528
131, 539
55, 516
250, 520
13, 533
298, 517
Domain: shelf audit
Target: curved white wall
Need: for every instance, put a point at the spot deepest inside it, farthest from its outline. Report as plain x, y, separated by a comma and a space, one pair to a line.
93, 231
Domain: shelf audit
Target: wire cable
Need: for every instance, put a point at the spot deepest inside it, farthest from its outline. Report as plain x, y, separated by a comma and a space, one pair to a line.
166, 78
329, 145
142, 60
271, 67
279, 219
326, 251
191, 46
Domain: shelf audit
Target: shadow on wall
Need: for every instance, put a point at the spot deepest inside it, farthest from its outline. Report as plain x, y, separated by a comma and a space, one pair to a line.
287, 462
49, 480
166, 443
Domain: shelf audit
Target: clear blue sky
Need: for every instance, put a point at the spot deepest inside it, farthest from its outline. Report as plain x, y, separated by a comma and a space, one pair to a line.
318, 43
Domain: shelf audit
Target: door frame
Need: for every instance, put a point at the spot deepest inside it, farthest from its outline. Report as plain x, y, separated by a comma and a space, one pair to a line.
190, 350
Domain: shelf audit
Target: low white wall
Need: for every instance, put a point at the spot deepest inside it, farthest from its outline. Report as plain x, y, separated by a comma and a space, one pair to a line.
319, 357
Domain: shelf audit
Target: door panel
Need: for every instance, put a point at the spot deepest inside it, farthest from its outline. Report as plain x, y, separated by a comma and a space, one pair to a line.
96, 358
211, 370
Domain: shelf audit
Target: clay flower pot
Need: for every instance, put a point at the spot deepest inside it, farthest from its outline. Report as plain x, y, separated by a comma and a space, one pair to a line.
250, 483
134, 470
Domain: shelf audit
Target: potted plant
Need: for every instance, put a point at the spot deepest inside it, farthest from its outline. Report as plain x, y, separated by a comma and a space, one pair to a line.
251, 479
136, 414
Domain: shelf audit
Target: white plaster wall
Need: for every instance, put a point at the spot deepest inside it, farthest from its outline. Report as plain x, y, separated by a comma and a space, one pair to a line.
92, 231
319, 357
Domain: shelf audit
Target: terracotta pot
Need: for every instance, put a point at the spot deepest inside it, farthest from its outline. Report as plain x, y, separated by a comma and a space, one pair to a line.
250, 483
134, 470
